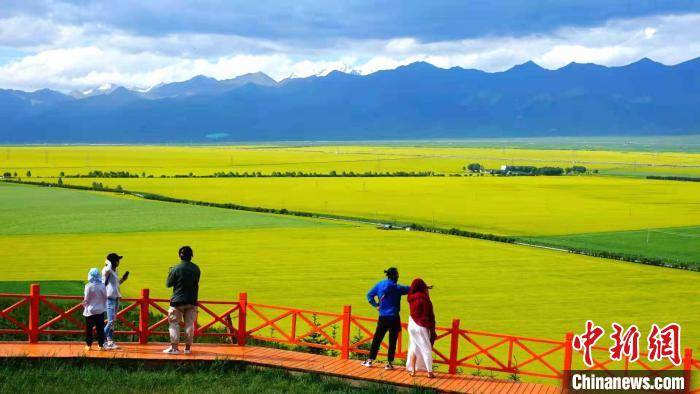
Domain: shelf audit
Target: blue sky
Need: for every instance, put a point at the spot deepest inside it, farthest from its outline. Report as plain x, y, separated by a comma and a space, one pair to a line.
80, 44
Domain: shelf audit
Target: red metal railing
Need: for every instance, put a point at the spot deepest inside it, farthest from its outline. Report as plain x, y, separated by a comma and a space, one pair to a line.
689, 365
455, 347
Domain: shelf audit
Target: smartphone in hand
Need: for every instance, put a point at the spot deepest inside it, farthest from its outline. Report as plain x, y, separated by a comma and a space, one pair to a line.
125, 276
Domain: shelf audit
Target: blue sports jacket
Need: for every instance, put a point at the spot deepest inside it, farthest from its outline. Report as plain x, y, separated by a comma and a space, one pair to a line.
389, 294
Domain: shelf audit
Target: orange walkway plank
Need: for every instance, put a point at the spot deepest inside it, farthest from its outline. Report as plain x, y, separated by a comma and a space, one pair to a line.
270, 357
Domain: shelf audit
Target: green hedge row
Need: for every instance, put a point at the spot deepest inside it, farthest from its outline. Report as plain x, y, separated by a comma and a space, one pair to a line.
674, 178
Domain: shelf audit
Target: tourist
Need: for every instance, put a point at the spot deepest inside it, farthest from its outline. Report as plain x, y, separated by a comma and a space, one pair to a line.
111, 279
386, 297
94, 305
421, 327
184, 279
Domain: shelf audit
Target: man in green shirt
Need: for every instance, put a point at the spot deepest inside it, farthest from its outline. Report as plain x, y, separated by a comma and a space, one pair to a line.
184, 279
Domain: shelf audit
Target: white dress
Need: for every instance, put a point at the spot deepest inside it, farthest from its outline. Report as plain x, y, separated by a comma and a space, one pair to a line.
419, 346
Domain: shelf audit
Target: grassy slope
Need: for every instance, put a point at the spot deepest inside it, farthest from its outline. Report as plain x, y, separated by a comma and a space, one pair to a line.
66, 211
80, 376
527, 206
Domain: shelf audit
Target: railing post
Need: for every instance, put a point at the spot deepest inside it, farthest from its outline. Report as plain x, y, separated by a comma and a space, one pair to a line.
687, 368
345, 334
144, 304
568, 355
293, 329
34, 298
242, 312
454, 346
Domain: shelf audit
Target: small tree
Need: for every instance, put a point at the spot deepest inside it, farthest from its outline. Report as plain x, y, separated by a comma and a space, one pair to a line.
550, 171
29, 173
60, 181
475, 167
576, 170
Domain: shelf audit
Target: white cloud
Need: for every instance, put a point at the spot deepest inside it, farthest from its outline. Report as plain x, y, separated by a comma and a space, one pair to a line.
401, 45
560, 55
22, 31
69, 57
649, 32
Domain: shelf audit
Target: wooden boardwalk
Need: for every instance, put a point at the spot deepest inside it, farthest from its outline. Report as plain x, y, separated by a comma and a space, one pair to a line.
269, 357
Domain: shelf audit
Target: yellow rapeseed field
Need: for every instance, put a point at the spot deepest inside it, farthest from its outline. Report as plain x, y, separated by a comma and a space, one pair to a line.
203, 160
501, 205
491, 286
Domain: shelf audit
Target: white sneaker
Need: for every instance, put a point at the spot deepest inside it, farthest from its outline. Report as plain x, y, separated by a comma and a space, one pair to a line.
111, 346
170, 350
367, 363
187, 351
389, 367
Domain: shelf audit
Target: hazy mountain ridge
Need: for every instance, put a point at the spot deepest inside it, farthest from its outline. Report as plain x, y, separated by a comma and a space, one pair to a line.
413, 101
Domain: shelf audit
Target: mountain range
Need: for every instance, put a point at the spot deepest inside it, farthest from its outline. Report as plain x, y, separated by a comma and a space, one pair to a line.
411, 102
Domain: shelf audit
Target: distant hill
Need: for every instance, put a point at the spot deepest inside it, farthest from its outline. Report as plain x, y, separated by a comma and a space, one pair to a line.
413, 101
205, 85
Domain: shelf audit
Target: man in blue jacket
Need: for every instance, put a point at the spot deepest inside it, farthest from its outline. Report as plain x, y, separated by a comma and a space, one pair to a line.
386, 297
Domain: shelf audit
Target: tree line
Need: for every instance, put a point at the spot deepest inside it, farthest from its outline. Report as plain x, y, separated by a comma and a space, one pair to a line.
472, 168
674, 178
253, 174
525, 170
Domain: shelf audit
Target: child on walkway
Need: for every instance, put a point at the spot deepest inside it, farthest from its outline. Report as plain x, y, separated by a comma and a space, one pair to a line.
94, 305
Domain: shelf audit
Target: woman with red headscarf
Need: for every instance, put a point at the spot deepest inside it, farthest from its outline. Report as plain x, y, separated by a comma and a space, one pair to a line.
421, 327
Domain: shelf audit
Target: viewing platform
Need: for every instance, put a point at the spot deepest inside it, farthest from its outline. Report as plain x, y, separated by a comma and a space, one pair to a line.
37, 325
277, 358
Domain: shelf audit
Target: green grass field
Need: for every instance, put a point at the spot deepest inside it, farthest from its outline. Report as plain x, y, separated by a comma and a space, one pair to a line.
64, 212
491, 286
107, 376
47, 286
680, 244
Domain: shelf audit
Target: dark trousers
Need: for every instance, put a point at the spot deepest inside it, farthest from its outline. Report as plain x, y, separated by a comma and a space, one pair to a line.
386, 323
98, 323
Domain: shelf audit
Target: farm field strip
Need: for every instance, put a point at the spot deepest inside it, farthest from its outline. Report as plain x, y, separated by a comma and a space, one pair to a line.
205, 160
513, 206
675, 243
70, 211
